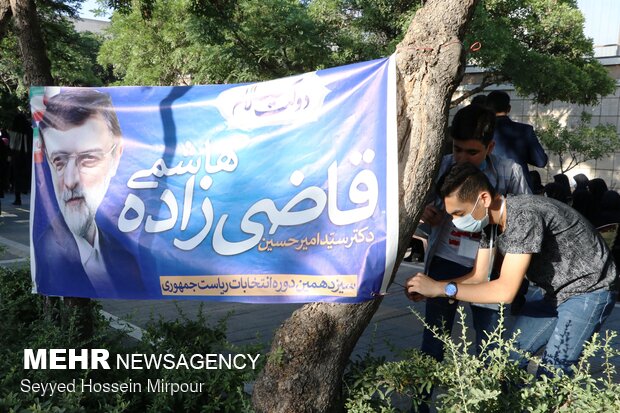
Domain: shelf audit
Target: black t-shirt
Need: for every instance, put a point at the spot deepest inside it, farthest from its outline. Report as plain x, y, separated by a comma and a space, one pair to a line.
569, 257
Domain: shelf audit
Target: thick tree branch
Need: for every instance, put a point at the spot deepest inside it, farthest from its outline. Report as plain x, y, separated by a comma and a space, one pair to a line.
487, 80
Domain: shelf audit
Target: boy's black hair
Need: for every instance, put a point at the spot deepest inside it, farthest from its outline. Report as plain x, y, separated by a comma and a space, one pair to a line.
473, 122
499, 101
466, 180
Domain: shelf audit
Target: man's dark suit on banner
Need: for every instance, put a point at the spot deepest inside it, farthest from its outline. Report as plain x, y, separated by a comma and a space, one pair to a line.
60, 268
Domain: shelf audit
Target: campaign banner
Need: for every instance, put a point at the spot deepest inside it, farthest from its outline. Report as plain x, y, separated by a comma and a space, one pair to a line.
279, 191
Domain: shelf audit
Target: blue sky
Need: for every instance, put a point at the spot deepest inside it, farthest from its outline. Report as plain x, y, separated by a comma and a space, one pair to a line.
85, 11
602, 20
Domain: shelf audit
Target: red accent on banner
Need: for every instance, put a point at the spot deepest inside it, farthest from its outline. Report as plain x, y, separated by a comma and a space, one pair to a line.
37, 151
38, 157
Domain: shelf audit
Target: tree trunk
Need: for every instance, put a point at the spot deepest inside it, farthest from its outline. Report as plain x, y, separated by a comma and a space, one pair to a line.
311, 349
37, 72
5, 16
37, 67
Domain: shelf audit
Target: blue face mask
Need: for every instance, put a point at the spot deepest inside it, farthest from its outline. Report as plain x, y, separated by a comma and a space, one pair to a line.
470, 224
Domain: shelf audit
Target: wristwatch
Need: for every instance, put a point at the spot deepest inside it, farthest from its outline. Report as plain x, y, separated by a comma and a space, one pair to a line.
450, 290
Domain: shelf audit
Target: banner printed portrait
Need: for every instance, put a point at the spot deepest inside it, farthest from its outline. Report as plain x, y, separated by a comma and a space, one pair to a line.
280, 191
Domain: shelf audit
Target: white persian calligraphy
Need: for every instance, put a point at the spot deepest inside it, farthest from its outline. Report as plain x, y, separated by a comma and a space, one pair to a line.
226, 162
295, 99
308, 204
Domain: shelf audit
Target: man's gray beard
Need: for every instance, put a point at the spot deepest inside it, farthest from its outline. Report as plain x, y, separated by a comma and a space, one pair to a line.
78, 222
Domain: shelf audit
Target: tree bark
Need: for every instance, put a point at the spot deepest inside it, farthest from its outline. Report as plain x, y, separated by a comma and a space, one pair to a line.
5, 16
311, 349
37, 67
488, 80
37, 72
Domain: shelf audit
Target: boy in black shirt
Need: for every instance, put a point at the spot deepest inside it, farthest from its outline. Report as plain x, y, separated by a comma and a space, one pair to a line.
560, 251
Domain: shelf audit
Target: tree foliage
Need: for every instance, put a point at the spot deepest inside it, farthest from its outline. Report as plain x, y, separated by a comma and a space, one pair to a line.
10, 70
538, 45
187, 42
197, 41
363, 29
155, 51
73, 56
577, 144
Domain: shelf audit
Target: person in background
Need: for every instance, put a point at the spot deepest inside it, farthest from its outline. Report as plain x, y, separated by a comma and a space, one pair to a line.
581, 182
597, 188
555, 191
582, 200
515, 140
610, 214
479, 100
4, 163
536, 183
583, 203
609, 211
564, 185
20, 142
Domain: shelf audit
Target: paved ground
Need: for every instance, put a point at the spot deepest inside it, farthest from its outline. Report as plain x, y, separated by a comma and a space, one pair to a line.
393, 326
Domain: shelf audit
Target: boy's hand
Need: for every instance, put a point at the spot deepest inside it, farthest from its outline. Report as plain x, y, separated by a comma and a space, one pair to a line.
422, 284
415, 297
432, 215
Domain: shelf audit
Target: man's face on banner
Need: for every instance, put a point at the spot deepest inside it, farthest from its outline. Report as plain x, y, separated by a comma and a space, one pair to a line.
83, 159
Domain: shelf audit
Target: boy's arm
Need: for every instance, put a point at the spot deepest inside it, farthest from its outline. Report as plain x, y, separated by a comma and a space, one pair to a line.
502, 290
480, 271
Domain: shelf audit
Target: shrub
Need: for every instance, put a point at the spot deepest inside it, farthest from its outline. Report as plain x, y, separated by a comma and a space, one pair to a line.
578, 144
488, 382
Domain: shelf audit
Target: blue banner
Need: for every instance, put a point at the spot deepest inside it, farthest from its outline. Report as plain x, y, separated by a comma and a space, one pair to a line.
280, 191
